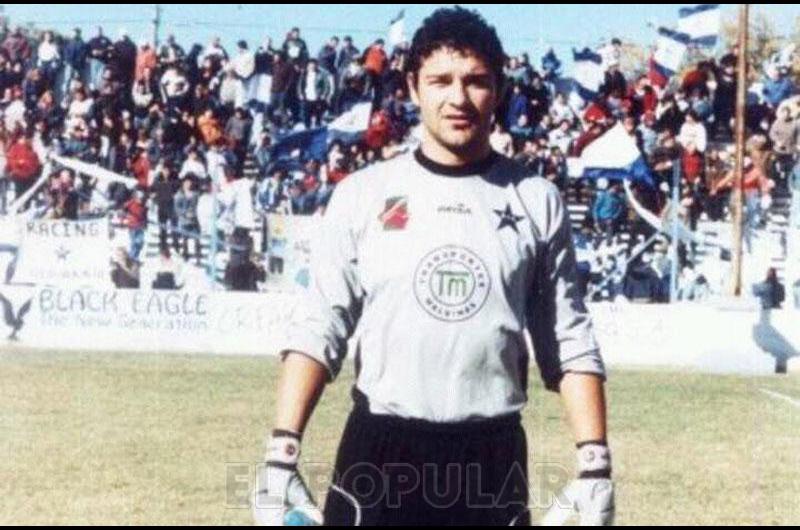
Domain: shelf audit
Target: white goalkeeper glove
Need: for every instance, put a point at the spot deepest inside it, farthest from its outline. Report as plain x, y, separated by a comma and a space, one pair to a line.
591, 495
281, 497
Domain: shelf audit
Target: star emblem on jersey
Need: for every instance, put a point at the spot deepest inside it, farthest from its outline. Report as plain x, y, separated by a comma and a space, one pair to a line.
452, 283
507, 218
395, 214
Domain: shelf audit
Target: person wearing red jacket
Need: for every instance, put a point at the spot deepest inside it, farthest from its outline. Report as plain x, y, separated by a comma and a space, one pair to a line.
22, 165
140, 167
375, 63
134, 217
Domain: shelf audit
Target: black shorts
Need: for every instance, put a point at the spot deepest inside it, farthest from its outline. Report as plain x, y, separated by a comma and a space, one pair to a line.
393, 471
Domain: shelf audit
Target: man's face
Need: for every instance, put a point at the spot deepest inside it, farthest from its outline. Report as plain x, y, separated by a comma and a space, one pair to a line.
457, 95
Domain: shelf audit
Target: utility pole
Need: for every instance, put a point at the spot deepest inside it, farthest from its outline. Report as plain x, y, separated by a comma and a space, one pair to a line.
156, 25
738, 209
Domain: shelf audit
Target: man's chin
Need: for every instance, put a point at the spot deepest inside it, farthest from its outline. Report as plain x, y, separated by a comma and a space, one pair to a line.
461, 144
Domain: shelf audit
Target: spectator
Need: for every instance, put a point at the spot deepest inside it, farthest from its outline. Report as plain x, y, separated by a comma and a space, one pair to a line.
146, 61
188, 224
315, 88
16, 46
49, 58
501, 141
163, 191
609, 208
22, 165
560, 111
167, 273
785, 137
693, 133
193, 167
263, 154
295, 48
171, 52
237, 131
283, 75
124, 270
755, 185
327, 56
517, 106
135, 219
375, 64
63, 196
211, 131
99, 53
725, 98
271, 193
770, 292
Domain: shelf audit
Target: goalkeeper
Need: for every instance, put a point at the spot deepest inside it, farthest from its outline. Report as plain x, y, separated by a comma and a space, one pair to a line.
433, 265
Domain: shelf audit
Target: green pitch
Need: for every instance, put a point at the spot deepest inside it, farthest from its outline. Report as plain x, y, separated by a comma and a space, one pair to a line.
152, 439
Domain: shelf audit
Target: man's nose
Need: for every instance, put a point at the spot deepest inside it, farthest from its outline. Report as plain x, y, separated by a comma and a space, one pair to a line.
457, 95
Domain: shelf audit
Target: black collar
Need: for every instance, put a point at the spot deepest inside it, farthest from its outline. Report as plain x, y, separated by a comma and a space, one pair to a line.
475, 168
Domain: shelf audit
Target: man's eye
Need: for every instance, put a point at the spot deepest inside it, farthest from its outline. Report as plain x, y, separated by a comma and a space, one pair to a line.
480, 82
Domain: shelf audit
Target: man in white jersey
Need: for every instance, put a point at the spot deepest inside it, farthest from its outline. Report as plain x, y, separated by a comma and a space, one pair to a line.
434, 264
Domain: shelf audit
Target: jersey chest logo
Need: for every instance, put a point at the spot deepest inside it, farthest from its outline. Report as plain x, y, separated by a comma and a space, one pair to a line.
395, 214
452, 283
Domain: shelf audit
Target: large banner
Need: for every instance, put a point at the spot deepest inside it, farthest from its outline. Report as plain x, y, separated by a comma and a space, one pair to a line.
710, 338
64, 252
98, 319
706, 338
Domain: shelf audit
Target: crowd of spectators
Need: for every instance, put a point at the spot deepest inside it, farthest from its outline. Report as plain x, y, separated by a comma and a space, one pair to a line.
201, 132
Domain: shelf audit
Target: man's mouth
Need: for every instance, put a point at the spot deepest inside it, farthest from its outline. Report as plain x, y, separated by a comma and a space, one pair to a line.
460, 121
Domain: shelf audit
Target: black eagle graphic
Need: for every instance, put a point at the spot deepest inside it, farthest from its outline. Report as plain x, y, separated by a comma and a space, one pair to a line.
14, 320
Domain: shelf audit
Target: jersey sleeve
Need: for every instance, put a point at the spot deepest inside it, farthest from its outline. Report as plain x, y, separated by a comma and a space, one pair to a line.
558, 320
327, 314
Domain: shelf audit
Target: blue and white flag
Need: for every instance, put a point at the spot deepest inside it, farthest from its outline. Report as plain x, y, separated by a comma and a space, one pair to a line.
670, 51
309, 144
355, 120
615, 156
588, 73
313, 143
397, 29
350, 127
702, 23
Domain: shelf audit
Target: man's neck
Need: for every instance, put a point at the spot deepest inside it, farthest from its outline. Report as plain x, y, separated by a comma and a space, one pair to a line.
446, 157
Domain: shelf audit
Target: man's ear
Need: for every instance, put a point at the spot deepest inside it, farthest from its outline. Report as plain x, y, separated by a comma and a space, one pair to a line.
411, 81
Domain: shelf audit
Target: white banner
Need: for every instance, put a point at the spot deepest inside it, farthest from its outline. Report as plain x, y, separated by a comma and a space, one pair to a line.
701, 337
64, 253
732, 340
84, 319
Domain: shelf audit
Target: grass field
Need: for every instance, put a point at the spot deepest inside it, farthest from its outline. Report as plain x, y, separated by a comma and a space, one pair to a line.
148, 439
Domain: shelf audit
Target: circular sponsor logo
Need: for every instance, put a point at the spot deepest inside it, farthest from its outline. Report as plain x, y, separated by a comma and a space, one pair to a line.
451, 283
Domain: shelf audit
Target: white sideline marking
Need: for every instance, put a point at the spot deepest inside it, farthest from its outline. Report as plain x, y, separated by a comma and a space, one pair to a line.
792, 401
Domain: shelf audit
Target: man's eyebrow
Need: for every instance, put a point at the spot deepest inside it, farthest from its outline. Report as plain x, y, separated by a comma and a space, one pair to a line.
467, 75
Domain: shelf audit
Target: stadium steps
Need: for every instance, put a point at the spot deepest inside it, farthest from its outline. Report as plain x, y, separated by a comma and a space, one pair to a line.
151, 249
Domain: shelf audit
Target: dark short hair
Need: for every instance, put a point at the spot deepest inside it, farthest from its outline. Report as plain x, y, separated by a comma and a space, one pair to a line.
462, 30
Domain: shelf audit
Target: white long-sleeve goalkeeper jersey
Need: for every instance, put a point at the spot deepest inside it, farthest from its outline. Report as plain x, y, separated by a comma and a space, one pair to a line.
435, 272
